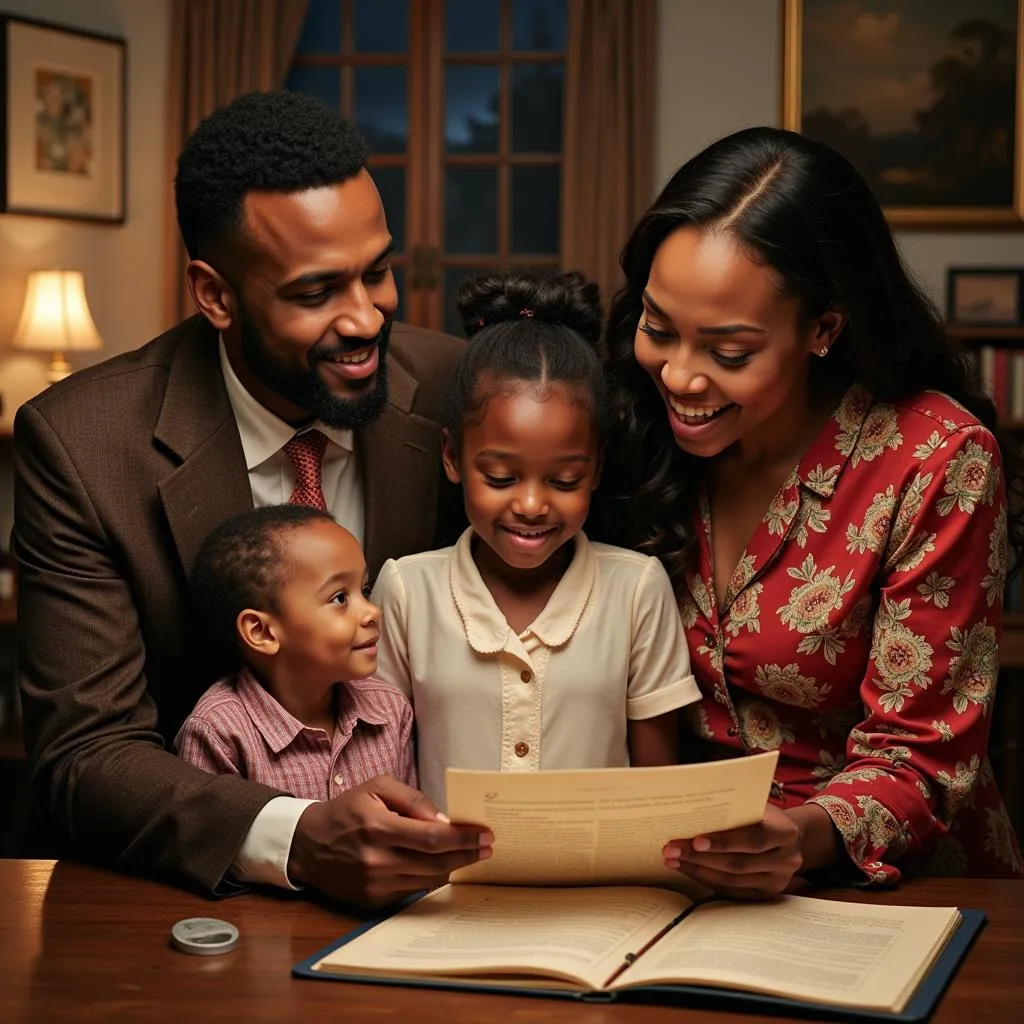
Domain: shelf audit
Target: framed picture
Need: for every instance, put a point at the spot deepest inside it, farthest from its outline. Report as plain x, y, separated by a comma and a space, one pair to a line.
62, 117
922, 96
985, 296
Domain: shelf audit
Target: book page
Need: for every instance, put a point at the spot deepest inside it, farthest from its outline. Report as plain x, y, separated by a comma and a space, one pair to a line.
851, 954
603, 826
579, 935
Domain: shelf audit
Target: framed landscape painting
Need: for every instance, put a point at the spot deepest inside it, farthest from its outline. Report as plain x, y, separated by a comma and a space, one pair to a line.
922, 96
62, 122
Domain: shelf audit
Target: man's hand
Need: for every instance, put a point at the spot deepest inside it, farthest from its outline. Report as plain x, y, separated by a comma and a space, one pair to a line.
752, 863
379, 842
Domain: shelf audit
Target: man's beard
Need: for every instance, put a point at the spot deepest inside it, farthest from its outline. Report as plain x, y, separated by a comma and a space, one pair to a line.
307, 390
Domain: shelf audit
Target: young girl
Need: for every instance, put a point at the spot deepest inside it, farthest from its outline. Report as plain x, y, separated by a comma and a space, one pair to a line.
525, 646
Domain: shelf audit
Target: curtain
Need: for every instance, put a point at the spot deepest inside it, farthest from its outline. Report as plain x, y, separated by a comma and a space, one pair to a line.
219, 50
608, 133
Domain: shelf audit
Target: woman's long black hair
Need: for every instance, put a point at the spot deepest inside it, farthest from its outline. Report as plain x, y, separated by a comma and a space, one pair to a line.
804, 210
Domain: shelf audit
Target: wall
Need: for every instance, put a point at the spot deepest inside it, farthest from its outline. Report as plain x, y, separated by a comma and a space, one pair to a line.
720, 69
122, 264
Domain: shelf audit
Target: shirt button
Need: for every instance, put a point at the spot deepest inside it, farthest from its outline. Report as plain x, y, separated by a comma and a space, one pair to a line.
339, 780
522, 749
709, 640
731, 731
526, 675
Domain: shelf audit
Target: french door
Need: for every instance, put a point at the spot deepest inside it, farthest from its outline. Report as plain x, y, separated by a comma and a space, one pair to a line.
461, 102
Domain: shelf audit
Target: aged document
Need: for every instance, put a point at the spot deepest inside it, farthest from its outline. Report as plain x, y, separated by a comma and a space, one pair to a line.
603, 826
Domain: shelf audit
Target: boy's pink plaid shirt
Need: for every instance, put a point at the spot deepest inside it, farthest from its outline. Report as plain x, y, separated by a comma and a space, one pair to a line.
238, 728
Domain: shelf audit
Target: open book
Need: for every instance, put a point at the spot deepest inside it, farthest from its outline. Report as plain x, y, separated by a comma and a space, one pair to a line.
585, 907
631, 939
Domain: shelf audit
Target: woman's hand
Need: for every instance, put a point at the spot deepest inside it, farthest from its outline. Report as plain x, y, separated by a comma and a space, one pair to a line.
759, 861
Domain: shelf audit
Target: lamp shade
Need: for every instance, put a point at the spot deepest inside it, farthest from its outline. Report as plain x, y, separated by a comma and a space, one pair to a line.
56, 318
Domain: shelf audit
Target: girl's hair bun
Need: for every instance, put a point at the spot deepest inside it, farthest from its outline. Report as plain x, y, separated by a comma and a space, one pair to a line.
567, 300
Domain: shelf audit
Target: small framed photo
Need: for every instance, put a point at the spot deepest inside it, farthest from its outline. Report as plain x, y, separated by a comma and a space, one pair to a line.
62, 122
985, 296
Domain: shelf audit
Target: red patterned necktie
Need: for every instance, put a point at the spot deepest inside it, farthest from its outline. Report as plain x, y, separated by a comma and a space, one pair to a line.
307, 452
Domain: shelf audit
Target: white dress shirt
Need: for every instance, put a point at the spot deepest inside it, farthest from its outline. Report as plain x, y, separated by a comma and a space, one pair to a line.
263, 855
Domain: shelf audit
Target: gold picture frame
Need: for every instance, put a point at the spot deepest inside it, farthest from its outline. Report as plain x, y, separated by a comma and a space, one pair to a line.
62, 122
932, 162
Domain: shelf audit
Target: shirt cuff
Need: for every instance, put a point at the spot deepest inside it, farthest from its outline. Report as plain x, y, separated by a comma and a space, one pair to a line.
661, 702
263, 856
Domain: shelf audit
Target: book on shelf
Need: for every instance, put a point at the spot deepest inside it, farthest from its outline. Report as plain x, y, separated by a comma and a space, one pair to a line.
1000, 372
606, 937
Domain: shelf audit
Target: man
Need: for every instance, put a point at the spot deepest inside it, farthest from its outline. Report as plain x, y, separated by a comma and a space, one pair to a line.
123, 469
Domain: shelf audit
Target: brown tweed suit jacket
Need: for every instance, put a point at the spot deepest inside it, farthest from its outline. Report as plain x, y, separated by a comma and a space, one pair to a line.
120, 472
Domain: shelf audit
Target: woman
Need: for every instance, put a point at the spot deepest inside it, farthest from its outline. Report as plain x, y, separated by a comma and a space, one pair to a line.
805, 453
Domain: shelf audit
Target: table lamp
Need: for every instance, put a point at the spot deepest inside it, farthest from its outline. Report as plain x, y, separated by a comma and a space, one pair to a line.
56, 319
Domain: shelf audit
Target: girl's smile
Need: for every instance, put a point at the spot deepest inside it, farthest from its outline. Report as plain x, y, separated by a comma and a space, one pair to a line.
528, 466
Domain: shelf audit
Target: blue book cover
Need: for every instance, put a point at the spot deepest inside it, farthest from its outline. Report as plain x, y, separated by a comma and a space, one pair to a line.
920, 1006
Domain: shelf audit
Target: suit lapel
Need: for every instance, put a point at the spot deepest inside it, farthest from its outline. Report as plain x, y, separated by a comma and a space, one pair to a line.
197, 425
400, 453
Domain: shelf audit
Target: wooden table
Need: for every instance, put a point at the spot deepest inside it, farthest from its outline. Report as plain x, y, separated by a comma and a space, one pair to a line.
80, 944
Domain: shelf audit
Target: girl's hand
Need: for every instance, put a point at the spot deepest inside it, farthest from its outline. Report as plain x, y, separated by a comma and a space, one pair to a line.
756, 862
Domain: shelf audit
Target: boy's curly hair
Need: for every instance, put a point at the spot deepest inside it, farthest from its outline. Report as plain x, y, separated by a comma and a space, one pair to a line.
242, 564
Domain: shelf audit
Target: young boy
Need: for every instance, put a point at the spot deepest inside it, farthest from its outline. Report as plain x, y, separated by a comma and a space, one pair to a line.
283, 589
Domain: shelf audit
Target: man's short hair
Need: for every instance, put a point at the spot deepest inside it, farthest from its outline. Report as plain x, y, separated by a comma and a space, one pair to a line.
242, 564
270, 141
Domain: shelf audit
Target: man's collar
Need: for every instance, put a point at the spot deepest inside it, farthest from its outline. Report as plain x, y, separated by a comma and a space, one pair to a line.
263, 434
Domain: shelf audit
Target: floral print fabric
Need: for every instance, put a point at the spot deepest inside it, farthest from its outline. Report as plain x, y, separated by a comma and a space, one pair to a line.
859, 636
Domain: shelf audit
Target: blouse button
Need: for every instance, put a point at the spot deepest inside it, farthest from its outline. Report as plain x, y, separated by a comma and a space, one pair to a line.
339, 780
522, 749
731, 731
709, 640
526, 675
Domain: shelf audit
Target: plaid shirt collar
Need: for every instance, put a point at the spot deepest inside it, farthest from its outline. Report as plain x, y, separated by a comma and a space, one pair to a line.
279, 728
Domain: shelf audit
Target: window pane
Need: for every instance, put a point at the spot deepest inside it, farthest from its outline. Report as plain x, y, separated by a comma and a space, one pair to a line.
324, 83
321, 31
399, 273
535, 209
453, 277
471, 109
538, 24
381, 108
382, 26
390, 182
537, 108
471, 209
471, 26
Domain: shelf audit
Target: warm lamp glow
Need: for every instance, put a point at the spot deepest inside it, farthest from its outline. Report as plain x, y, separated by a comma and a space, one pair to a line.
56, 318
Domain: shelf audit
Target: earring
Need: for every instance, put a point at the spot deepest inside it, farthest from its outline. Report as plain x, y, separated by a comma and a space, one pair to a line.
823, 351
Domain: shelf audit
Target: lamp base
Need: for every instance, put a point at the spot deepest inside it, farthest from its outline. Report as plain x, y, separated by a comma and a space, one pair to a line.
59, 368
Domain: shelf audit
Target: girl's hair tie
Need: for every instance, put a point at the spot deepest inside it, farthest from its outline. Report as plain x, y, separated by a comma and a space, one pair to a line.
526, 313
478, 321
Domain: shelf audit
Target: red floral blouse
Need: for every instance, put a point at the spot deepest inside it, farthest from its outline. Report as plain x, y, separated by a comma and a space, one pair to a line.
860, 637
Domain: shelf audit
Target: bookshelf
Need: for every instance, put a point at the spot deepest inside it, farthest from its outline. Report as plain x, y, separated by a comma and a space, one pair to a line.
999, 360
